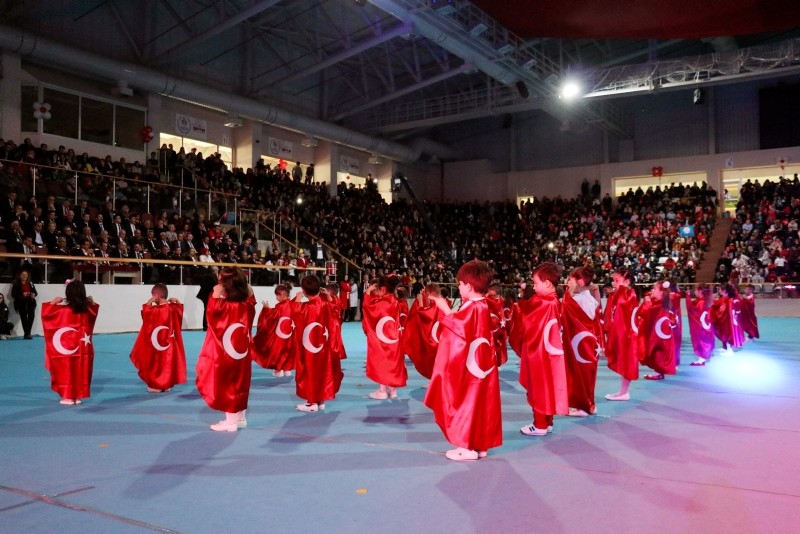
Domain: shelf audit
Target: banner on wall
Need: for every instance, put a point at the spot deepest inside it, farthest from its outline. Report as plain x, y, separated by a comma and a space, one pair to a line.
349, 164
280, 148
187, 126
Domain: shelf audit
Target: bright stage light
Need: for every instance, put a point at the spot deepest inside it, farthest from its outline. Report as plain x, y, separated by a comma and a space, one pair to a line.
570, 90
747, 370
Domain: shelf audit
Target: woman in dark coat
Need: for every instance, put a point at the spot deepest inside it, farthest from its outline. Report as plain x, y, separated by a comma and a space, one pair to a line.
24, 294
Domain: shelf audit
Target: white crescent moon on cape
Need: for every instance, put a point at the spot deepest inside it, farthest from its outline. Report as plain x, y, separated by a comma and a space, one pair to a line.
633, 320
576, 341
279, 331
554, 351
154, 338
313, 349
435, 331
57, 341
227, 344
703, 319
659, 331
472, 364
379, 331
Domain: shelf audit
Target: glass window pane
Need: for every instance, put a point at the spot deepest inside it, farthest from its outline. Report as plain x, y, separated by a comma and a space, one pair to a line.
97, 119
128, 127
64, 109
30, 95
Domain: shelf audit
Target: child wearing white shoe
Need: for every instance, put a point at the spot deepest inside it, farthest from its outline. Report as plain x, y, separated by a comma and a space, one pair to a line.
319, 368
542, 371
381, 323
620, 332
464, 392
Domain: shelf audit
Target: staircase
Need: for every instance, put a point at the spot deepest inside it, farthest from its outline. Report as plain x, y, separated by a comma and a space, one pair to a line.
716, 244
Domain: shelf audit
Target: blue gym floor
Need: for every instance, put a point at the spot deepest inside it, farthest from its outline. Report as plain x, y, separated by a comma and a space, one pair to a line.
713, 449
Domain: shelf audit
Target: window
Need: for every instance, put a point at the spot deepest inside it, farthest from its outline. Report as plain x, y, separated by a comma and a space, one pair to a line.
83, 117
204, 148
64, 108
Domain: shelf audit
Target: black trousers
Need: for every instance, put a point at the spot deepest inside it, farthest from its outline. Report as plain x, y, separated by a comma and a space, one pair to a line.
27, 312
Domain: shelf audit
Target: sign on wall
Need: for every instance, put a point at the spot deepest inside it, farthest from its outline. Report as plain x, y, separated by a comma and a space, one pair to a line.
187, 126
280, 148
349, 164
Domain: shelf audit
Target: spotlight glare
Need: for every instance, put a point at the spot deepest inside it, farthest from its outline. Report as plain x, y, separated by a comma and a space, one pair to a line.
570, 90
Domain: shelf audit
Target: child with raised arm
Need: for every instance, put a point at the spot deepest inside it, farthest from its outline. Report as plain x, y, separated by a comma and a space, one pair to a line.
464, 393
158, 352
542, 371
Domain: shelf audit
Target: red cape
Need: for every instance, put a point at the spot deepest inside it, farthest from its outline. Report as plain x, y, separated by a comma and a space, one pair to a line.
727, 327
583, 342
337, 345
464, 393
421, 336
319, 368
700, 327
224, 364
542, 370
748, 317
68, 349
618, 323
381, 322
655, 338
677, 332
273, 344
496, 309
158, 351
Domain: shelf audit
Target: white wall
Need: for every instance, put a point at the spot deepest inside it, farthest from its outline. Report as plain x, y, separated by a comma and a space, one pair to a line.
120, 305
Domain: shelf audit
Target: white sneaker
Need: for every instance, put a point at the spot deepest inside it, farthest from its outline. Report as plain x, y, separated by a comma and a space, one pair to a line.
225, 426
530, 430
277, 373
576, 412
287, 373
618, 397
66, 402
310, 407
378, 395
461, 455
241, 423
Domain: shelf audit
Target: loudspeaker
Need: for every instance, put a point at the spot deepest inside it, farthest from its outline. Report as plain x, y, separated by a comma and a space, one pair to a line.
522, 89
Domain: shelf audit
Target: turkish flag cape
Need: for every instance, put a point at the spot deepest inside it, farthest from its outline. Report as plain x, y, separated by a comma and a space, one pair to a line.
700, 328
747, 317
337, 345
515, 330
68, 349
464, 393
677, 331
273, 344
344, 295
158, 351
319, 368
421, 335
542, 370
224, 364
726, 324
583, 342
619, 327
655, 338
497, 313
381, 322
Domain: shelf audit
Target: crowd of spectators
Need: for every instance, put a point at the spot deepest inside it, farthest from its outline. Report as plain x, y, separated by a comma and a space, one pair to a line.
641, 232
762, 246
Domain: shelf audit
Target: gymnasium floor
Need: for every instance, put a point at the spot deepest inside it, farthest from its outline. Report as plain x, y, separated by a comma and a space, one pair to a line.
713, 449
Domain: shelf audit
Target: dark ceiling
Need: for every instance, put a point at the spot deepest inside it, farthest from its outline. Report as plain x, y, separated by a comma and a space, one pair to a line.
642, 19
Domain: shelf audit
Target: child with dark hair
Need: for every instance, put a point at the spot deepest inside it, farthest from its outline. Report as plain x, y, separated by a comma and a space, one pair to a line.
725, 318
423, 328
381, 323
655, 321
274, 342
583, 340
319, 368
224, 365
331, 295
542, 371
464, 393
749, 319
68, 325
700, 327
619, 326
158, 352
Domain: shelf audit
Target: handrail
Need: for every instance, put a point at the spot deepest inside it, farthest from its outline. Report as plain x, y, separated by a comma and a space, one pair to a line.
296, 246
142, 183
